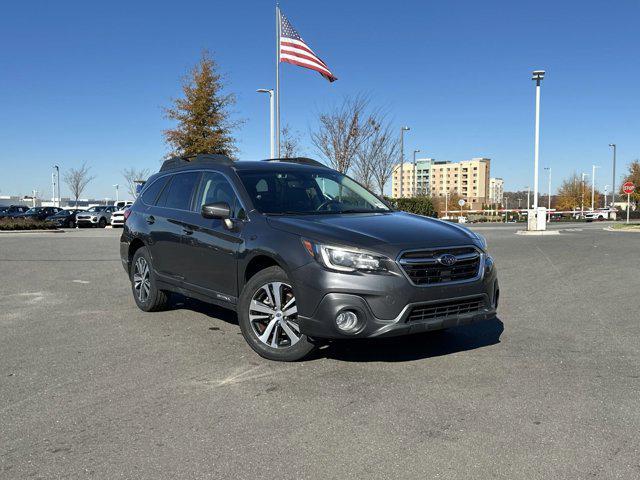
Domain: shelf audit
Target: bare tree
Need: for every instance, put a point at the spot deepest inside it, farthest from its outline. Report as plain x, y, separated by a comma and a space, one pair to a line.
289, 143
342, 132
131, 175
375, 158
385, 147
77, 180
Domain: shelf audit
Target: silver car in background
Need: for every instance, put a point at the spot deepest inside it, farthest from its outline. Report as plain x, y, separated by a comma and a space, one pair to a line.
99, 216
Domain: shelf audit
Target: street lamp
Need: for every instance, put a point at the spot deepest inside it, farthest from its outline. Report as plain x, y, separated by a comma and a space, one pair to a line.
57, 183
271, 119
593, 185
415, 173
402, 130
548, 169
528, 198
537, 76
613, 183
582, 193
606, 190
117, 186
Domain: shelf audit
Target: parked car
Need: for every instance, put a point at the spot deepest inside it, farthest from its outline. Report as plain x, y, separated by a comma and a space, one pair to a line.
38, 213
118, 217
64, 218
302, 253
122, 204
12, 210
98, 216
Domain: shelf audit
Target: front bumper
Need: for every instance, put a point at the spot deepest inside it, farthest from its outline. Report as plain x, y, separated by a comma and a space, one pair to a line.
117, 222
384, 303
87, 221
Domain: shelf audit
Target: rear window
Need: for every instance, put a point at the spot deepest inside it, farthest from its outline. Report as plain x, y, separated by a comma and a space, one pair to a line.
152, 191
179, 192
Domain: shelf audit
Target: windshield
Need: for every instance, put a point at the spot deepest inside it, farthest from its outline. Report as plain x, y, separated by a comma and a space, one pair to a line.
34, 210
96, 209
308, 192
63, 213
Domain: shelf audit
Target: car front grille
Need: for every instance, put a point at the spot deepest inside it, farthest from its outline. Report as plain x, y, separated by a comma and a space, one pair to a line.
444, 310
426, 267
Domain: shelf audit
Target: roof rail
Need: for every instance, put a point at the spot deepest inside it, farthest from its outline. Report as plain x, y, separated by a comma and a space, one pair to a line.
177, 162
299, 160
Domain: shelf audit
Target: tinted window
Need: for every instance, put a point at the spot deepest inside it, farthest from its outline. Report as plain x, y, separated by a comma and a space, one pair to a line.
322, 191
151, 191
215, 188
179, 192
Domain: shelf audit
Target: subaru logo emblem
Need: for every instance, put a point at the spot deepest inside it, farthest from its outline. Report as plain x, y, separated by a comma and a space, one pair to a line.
447, 259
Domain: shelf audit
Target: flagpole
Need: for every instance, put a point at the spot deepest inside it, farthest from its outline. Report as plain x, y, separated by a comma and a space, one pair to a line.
278, 24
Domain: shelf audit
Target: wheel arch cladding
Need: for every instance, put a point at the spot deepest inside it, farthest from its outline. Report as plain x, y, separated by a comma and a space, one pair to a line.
258, 263
134, 246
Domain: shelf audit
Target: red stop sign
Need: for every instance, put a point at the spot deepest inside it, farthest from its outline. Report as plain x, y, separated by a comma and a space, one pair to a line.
628, 188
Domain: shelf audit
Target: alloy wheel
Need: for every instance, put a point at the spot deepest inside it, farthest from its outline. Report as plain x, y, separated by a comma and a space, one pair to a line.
273, 315
141, 281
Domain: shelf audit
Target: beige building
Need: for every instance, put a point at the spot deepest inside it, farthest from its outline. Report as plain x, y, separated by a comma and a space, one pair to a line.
468, 179
415, 178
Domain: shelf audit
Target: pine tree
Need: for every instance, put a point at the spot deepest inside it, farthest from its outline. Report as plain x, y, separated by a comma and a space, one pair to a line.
204, 123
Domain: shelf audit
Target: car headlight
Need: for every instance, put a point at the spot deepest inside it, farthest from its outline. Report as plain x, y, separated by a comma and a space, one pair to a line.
345, 259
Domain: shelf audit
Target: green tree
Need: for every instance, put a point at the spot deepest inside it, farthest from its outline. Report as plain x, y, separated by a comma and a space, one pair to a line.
202, 116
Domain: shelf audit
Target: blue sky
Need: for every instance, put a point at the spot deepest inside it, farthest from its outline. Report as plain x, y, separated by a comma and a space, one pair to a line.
85, 81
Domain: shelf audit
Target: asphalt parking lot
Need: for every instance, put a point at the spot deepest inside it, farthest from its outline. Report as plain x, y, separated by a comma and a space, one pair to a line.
91, 387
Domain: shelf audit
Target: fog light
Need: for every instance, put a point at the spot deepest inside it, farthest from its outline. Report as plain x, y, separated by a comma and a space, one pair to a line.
347, 321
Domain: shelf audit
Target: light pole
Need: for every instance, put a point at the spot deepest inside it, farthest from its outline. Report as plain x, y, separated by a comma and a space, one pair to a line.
593, 186
33, 197
58, 183
548, 169
272, 152
582, 193
528, 198
402, 130
606, 190
117, 186
415, 173
613, 182
538, 75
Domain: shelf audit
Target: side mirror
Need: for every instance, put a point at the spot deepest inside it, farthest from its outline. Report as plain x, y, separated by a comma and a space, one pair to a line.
219, 210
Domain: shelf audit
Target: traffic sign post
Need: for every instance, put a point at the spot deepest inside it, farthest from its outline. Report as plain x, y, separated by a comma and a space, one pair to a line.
628, 188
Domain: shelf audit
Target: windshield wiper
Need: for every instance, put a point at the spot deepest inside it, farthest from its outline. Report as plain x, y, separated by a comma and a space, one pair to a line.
361, 210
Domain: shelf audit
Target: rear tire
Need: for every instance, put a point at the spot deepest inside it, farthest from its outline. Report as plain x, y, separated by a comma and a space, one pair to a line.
267, 315
102, 223
145, 291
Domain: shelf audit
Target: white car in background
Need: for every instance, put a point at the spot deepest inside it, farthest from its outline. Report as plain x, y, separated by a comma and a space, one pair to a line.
118, 218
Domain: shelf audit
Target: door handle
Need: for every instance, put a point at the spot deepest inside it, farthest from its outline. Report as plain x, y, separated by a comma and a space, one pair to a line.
186, 231
151, 219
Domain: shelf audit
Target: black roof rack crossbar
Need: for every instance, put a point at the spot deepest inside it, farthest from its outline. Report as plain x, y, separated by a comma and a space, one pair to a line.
177, 162
299, 160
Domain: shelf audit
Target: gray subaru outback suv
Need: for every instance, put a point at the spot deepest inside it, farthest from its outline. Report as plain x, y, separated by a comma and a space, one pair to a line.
302, 253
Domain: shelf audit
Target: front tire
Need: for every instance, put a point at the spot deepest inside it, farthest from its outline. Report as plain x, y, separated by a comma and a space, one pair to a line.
146, 294
102, 223
268, 314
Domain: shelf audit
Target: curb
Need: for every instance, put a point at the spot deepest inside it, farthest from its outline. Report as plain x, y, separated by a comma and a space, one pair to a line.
6, 232
538, 233
625, 230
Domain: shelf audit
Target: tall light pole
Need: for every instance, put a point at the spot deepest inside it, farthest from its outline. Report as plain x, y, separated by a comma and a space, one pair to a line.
58, 183
548, 169
117, 186
272, 148
593, 185
528, 198
582, 192
613, 182
415, 173
402, 130
538, 75
606, 190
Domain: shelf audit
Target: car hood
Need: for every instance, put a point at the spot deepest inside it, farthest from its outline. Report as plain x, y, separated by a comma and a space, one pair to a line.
384, 232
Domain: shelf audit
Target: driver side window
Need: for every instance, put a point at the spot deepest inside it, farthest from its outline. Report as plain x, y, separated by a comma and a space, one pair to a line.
215, 188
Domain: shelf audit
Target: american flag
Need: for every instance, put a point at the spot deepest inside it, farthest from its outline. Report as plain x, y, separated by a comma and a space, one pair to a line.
294, 50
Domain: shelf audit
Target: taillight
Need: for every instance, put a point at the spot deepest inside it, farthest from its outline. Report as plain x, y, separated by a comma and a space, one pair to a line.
127, 212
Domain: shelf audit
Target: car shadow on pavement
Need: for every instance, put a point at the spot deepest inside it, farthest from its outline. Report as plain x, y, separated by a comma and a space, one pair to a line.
416, 347
178, 302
